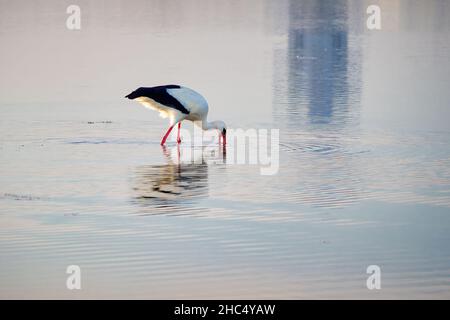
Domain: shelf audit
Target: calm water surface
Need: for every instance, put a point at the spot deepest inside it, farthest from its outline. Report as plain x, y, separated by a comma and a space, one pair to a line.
364, 175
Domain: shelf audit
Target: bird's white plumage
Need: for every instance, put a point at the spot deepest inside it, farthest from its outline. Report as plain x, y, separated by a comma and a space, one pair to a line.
163, 110
184, 104
190, 99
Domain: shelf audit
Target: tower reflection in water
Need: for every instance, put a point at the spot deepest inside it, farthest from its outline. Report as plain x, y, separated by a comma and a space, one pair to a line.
317, 78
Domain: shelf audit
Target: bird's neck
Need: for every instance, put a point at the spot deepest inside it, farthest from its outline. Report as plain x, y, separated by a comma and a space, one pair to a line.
208, 125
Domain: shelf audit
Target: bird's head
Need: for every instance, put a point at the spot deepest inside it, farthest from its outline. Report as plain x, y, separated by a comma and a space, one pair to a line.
222, 128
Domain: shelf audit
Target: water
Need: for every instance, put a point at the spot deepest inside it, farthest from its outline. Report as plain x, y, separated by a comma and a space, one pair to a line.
364, 176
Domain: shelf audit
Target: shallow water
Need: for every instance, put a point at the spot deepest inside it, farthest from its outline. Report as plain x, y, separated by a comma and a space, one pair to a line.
364, 171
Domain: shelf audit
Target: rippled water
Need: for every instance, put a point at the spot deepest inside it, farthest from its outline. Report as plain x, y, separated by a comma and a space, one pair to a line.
364, 176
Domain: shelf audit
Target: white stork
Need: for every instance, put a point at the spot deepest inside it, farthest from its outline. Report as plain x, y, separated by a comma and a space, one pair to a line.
178, 103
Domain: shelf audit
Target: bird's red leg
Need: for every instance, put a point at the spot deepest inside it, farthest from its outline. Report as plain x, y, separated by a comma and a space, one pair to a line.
222, 139
178, 138
166, 135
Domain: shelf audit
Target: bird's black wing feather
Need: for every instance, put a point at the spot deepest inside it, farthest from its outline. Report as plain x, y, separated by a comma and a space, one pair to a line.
160, 95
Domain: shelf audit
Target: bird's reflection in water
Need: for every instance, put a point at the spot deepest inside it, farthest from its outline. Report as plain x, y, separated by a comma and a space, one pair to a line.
175, 187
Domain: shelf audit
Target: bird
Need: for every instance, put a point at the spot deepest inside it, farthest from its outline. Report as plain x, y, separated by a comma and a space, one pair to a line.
178, 103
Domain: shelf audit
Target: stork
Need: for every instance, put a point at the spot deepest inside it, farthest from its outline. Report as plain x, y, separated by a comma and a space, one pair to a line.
178, 103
